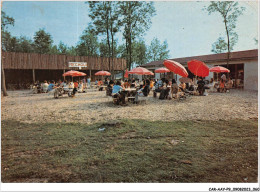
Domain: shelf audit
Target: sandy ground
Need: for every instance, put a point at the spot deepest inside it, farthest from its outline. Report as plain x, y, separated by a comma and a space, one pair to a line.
94, 106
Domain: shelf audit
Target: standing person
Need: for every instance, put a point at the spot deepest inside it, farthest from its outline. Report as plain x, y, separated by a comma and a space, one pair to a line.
89, 81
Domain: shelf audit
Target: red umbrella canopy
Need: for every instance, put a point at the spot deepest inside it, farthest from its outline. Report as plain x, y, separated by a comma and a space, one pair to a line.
162, 70
140, 71
198, 68
103, 73
175, 67
219, 69
74, 73
126, 74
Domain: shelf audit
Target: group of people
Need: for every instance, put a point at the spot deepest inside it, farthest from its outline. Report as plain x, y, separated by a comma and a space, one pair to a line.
76, 86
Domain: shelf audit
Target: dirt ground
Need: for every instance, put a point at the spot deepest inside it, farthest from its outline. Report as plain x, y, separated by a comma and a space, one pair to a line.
94, 106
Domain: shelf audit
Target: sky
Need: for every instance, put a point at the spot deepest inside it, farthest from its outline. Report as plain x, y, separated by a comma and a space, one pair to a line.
188, 29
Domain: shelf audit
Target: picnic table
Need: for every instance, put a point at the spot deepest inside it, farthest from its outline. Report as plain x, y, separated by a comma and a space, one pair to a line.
131, 94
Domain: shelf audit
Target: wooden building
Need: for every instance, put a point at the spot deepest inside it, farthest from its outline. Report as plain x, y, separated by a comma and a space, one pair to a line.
25, 68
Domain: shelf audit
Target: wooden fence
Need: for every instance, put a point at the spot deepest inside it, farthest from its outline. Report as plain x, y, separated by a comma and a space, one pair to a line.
13, 60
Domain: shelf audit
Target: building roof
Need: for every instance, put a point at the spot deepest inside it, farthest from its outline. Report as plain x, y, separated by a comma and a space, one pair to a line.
15, 60
212, 58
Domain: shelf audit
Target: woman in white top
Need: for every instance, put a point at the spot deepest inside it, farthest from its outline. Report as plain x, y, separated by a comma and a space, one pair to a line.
80, 88
45, 86
71, 85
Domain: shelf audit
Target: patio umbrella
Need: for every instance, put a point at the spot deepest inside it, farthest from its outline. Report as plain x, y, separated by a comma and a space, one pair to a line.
126, 74
162, 70
175, 67
74, 73
140, 71
185, 80
103, 73
198, 68
219, 69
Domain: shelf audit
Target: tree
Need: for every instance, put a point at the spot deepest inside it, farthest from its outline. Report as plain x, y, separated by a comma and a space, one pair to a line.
25, 45
136, 20
62, 48
158, 51
230, 11
88, 44
140, 52
219, 46
6, 20
42, 42
105, 16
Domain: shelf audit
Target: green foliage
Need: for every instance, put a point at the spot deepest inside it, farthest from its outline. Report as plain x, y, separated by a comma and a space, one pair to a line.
230, 11
139, 52
42, 42
136, 19
158, 51
219, 46
88, 44
6, 20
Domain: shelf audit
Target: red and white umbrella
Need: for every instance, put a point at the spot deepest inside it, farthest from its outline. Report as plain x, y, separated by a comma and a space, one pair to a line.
176, 67
140, 71
103, 73
219, 69
198, 68
162, 70
74, 73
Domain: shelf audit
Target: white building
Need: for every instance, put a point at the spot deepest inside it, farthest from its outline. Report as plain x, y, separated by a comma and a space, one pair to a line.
243, 66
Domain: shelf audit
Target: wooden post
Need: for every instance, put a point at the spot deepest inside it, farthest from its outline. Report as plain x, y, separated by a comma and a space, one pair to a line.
90, 74
63, 73
33, 71
236, 76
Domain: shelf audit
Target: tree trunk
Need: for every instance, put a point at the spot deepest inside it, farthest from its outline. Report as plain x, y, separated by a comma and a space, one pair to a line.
130, 40
112, 39
228, 53
108, 42
3, 80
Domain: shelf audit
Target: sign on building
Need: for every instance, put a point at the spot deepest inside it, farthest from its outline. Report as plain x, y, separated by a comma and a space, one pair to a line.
77, 64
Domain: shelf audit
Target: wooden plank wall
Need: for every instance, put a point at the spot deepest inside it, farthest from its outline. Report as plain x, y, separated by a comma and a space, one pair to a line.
12, 60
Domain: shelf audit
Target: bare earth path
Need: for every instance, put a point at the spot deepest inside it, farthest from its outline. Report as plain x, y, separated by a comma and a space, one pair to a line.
94, 106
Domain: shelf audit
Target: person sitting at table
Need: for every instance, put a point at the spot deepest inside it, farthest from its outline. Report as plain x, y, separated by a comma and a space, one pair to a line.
106, 82
100, 83
51, 85
117, 93
45, 86
80, 88
110, 88
144, 91
174, 88
151, 83
126, 84
75, 89
182, 86
222, 86
158, 87
133, 84
211, 85
229, 84
201, 86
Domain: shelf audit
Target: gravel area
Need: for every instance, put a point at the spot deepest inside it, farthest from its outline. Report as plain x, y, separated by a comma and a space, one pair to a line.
94, 106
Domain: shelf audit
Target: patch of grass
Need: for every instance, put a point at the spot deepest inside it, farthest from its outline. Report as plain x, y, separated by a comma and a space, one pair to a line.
130, 151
